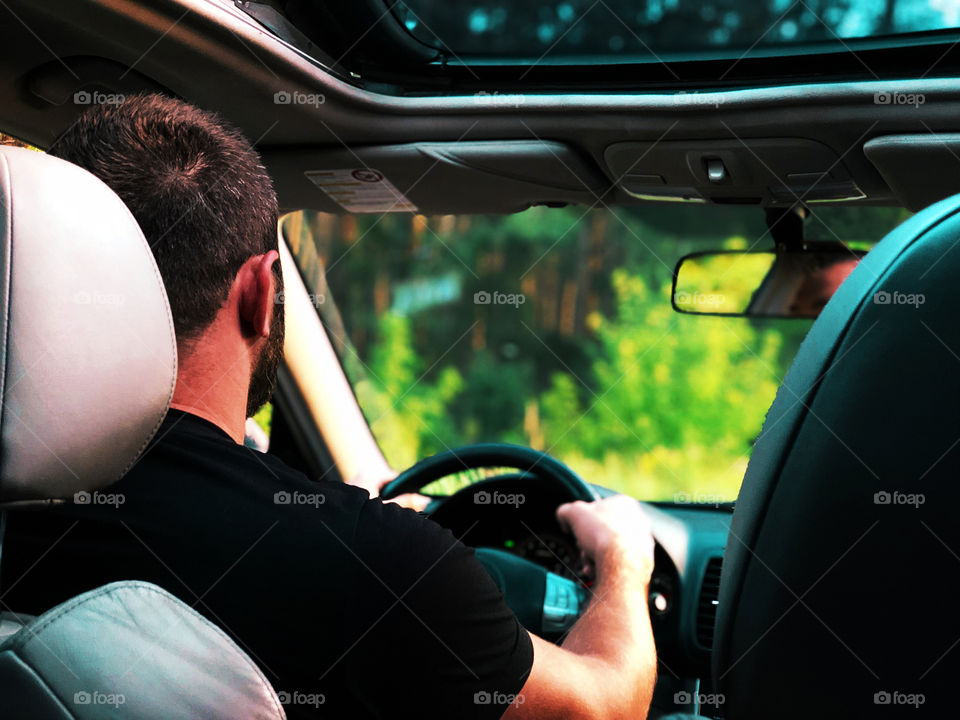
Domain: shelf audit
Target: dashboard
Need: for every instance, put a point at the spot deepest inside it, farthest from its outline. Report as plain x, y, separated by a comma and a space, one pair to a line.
516, 513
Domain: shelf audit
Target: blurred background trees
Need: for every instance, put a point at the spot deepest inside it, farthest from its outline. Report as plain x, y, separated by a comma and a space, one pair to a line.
582, 356
655, 29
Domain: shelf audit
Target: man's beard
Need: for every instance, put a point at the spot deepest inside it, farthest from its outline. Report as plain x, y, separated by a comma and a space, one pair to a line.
263, 380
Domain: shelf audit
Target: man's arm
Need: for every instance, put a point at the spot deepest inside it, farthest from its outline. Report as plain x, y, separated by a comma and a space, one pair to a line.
374, 482
607, 666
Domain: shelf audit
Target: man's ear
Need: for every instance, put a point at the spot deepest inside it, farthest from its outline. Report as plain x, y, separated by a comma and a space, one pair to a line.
258, 292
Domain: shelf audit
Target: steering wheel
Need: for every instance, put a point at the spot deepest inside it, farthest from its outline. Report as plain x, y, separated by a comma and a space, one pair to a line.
544, 602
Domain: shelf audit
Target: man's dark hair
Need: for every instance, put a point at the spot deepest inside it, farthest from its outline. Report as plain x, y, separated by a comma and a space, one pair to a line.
195, 185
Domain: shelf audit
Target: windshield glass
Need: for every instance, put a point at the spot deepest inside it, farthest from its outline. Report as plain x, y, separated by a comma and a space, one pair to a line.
553, 328
662, 29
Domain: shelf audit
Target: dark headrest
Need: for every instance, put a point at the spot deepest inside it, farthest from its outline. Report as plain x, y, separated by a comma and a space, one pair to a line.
833, 599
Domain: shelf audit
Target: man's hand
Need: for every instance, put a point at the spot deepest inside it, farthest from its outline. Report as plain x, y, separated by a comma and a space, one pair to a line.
607, 665
374, 484
612, 530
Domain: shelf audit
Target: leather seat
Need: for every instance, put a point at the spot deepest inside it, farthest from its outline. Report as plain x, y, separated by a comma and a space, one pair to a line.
87, 370
837, 593
131, 650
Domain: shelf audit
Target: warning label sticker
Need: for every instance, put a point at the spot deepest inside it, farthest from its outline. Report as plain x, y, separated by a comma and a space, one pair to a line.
361, 190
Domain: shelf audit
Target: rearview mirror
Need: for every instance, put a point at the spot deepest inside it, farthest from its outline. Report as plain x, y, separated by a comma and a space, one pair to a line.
784, 284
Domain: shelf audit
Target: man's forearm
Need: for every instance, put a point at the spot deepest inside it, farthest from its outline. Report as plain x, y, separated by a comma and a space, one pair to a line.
607, 666
615, 630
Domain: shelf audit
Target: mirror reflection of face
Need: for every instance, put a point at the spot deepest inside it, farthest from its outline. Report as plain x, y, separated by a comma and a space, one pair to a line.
819, 286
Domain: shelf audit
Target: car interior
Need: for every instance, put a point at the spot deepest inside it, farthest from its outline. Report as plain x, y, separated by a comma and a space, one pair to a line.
64, 233
801, 165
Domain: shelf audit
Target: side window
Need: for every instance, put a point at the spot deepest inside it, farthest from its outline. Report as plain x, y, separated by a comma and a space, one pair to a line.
257, 429
11, 141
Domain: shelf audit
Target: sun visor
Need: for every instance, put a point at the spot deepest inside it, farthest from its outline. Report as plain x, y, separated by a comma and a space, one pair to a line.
919, 169
433, 178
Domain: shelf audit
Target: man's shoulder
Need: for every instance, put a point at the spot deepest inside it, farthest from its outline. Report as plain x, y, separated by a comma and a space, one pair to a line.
190, 458
400, 545
194, 459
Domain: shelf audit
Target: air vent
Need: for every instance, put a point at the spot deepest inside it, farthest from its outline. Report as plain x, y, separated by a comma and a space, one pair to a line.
707, 607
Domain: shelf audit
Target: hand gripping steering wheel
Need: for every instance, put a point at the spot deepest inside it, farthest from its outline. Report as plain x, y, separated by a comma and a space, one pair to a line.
544, 602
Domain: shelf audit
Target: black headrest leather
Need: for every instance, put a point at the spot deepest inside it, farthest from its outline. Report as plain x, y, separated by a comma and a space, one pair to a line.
836, 594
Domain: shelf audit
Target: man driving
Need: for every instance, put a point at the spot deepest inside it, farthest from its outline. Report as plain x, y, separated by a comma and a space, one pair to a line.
351, 607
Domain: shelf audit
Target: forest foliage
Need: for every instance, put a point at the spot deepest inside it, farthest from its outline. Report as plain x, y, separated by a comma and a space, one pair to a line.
576, 351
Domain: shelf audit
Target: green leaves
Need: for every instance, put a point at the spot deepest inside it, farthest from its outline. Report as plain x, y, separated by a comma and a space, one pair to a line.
593, 366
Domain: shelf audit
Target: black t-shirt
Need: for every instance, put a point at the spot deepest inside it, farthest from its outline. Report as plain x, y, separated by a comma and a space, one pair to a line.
351, 607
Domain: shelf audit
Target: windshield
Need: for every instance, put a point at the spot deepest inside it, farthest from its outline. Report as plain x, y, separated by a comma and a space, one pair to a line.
553, 328
662, 29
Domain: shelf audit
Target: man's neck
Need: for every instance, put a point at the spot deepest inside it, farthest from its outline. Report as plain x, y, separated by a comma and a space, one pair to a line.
209, 417
212, 383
